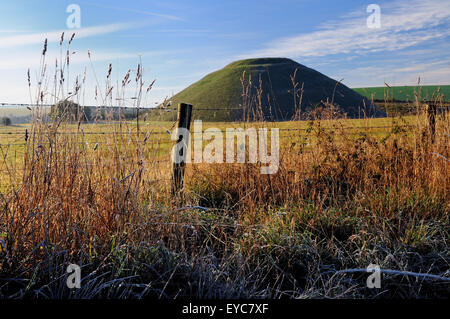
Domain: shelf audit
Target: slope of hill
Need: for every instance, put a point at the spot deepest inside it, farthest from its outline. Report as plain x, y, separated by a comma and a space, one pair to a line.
405, 93
223, 89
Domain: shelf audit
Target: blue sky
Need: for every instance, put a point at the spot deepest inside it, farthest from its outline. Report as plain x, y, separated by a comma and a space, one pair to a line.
181, 41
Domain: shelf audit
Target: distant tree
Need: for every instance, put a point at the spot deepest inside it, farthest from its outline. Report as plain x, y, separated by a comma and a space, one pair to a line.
70, 111
6, 121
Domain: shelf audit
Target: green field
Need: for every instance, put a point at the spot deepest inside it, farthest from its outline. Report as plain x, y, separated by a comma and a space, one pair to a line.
405, 93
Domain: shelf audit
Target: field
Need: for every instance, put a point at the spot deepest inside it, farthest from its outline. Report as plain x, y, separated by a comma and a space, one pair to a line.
348, 193
405, 93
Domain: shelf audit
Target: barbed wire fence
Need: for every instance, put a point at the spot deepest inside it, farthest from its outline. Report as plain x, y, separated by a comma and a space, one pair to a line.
153, 144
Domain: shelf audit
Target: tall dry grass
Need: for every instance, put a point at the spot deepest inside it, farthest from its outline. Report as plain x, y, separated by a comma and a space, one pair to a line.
338, 201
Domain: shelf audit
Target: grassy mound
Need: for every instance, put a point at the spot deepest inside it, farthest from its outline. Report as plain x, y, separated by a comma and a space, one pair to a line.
273, 79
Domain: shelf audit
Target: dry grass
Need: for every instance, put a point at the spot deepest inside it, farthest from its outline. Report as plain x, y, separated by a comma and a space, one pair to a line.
338, 201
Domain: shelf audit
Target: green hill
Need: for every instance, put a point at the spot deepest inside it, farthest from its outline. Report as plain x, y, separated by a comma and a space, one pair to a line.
405, 93
223, 90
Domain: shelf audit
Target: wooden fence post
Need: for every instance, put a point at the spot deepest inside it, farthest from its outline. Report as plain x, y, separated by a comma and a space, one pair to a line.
183, 121
432, 110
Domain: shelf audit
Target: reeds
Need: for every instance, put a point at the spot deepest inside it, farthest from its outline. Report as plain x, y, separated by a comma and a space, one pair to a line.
340, 199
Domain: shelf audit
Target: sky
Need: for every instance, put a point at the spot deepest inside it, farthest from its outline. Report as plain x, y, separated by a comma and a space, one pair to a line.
179, 42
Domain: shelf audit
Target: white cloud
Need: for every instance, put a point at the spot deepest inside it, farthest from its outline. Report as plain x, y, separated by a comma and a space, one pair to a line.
403, 24
16, 60
54, 36
144, 12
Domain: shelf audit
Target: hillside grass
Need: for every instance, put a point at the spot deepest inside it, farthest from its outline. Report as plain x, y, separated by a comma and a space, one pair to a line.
406, 93
273, 83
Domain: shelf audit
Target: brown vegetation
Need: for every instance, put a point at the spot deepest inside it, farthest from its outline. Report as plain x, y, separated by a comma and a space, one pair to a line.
338, 201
